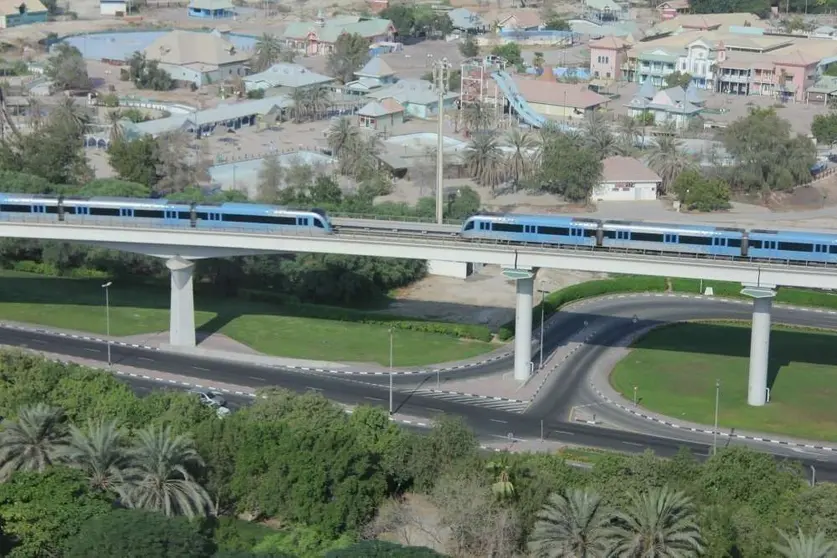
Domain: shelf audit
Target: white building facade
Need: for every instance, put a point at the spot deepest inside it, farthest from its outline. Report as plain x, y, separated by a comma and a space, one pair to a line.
626, 179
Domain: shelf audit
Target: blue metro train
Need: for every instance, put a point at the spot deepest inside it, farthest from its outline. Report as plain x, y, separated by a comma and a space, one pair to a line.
791, 246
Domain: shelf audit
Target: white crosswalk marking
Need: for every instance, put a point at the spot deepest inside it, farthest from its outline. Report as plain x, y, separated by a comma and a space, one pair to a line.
509, 405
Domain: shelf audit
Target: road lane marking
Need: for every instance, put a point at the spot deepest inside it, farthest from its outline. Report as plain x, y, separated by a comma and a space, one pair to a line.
564, 432
258, 379
39, 341
203, 369
146, 359
313, 388
500, 421
92, 350
372, 398
633, 444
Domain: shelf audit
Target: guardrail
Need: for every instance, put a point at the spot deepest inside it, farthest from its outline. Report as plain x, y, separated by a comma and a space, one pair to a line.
386, 236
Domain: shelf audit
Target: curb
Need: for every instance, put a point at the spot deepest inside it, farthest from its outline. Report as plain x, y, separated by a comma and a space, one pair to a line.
474, 396
730, 435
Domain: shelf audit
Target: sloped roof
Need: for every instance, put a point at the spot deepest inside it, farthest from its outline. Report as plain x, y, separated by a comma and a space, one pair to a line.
825, 84
521, 18
329, 30
647, 91
796, 58
627, 169
382, 108
603, 5
12, 7
559, 94
286, 75
211, 5
181, 48
693, 94
375, 68
411, 91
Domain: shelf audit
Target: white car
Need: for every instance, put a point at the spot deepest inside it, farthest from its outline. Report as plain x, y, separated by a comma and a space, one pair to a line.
212, 399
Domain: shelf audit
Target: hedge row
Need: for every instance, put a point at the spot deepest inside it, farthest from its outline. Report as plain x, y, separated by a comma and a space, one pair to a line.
40, 268
641, 284
290, 307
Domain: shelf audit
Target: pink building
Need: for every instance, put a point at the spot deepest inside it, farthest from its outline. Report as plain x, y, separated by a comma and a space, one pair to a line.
607, 56
793, 74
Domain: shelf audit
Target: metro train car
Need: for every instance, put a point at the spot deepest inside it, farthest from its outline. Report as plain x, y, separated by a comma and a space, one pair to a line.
792, 245
716, 241
540, 229
166, 212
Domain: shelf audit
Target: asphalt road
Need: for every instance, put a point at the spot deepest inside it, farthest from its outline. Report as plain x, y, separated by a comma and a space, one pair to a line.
612, 320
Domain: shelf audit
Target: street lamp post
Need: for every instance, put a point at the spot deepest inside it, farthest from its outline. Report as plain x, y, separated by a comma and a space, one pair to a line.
442, 75
106, 287
543, 298
813, 476
635, 389
390, 371
715, 429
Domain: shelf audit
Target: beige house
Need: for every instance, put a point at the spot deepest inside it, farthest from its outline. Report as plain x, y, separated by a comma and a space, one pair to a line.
626, 179
563, 101
199, 58
385, 116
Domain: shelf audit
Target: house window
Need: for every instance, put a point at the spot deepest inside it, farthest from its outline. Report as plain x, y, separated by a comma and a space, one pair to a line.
607, 75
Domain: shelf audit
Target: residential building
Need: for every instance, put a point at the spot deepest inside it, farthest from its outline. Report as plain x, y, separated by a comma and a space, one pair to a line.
467, 21
520, 20
211, 9
794, 73
283, 77
669, 106
824, 91
116, 8
607, 55
673, 8
626, 179
560, 100
603, 10
318, 37
199, 58
385, 116
231, 116
14, 13
374, 75
419, 98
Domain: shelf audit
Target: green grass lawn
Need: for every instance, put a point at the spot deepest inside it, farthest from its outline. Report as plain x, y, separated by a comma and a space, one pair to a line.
79, 304
675, 369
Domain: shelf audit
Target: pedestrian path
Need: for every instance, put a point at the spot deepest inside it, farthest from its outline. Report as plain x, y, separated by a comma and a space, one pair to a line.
500, 403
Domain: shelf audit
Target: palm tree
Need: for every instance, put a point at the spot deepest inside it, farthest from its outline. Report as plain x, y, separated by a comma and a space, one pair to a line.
116, 130
32, 442
159, 479
483, 158
668, 160
99, 452
660, 523
629, 128
34, 112
503, 488
268, 51
477, 116
519, 160
572, 524
803, 546
70, 114
301, 104
319, 99
341, 135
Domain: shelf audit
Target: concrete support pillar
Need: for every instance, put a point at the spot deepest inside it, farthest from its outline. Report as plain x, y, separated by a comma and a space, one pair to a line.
523, 329
182, 312
759, 345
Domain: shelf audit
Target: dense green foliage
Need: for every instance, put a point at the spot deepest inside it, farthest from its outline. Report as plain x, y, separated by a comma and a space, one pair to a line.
331, 478
417, 20
824, 127
697, 192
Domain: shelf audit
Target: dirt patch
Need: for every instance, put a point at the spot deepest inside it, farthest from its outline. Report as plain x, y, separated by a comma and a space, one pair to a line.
486, 298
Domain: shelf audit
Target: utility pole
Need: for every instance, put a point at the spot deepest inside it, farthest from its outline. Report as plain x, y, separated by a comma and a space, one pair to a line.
715, 429
390, 371
442, 75
106, 287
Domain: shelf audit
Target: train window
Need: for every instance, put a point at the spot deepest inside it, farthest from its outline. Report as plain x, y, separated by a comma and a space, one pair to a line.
589, 232
265, 219
469, 225
202, 215
696, 240
559, 231
610, 234
148, 213
318, 223
107, 211
185, 215
506, 227
795, 247
734, 242
646, 237
52, 209
832, 249
16, 208
756, 244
